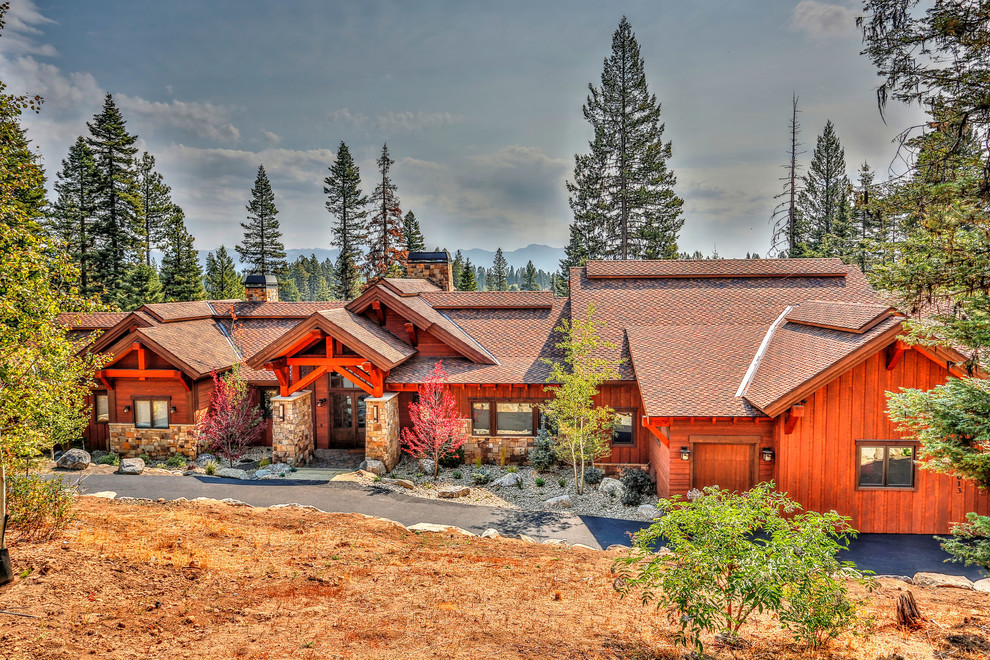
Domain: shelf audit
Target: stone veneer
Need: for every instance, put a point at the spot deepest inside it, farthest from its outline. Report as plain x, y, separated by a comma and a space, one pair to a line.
491, 449
130, 441
292, 428
440, 273
381, 441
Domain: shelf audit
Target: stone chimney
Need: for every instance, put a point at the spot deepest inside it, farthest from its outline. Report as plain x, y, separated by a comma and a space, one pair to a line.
261, 288
433, 266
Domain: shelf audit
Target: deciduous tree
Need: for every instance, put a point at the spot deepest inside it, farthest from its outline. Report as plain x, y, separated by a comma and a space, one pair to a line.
231, 424
437, 429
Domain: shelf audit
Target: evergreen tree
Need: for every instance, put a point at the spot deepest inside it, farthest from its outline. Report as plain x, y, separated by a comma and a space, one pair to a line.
623, 187
262, 250
529, 280
156, 212
288, 291
824, 187
386, 245
222, 279
181, 275
467, 281
785, 218
322, 290
29, 196
498, 276
140, 286
412, 233
117, 200
457, 267
346, 203
72, 214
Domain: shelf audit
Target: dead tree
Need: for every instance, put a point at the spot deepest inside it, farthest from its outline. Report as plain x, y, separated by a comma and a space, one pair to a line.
784, 217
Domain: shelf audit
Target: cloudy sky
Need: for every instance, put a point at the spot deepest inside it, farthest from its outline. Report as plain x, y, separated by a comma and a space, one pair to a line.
480, 103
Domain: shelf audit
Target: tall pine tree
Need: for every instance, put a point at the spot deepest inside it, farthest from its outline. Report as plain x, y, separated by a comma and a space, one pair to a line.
346, 203
262, 250
820, 202
181, 275
412, 233
222, 280
457, 267
140, 285
157, 210
386, 245
117, 200
529, 282
623, 192
72, 214
467, 281
498, 276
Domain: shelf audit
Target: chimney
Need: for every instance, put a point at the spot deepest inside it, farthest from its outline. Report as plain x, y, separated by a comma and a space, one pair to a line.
433, 266
261, 288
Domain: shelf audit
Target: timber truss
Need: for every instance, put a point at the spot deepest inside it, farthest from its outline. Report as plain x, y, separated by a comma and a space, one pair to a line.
358, 370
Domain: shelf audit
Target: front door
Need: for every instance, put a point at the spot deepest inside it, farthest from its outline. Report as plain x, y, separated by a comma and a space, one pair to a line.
726, 465
347, 419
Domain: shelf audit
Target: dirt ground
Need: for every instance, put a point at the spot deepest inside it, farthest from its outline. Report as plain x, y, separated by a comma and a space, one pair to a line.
183, 580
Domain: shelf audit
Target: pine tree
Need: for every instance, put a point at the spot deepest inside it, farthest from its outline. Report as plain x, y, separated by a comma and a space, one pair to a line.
262, 250
72, 215
288, 291
29, 197
386, 245
457, 267
117, 199
868, 221
181, 275
349, 207
322, 290
498, 276
139, 286
529, 282
467, 281
414, 237
623, 187
157, 211
222, 280
820, 201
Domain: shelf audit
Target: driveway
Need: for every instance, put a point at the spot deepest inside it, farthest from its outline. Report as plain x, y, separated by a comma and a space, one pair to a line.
885, 554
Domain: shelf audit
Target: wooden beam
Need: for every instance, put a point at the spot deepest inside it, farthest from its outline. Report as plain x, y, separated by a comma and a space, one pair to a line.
310, 338
141, 373
795, 413
376, 306
404, 387
658, 432
894, 353
355, 361
411, 331
932, 354
307, 379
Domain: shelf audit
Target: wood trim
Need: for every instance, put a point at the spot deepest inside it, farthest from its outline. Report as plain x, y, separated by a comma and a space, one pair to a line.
860, 443
894, 354
493, 416
794, 415
634, 413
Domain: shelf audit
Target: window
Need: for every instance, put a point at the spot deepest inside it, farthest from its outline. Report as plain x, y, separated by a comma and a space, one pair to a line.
151, 413
509, 418
102, 407
338, 382
624, 432
266, 401
885, 465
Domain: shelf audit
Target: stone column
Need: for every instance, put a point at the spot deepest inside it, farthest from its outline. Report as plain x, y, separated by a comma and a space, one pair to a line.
381, 441
292, 428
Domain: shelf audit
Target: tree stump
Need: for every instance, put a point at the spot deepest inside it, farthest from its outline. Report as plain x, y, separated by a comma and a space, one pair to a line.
908, 614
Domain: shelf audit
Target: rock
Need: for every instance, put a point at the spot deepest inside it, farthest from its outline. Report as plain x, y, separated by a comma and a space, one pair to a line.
131, 466
364, 474
105, 494
510, 479
490, 534
232, 473
618, 546
942, 580
373, 466
405, 483
611, 487
274, 471
561, 542
425, 466
453, 492
664, 550
582, 546
203, 459
982, 585
433, 527
559, 502
648, 511
526, 539
232, 502
902, 578
75, 459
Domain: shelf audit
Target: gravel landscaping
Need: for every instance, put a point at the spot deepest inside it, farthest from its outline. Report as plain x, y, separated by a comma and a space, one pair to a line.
530, 497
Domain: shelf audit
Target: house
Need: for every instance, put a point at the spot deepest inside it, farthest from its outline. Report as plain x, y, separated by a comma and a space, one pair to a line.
733, 372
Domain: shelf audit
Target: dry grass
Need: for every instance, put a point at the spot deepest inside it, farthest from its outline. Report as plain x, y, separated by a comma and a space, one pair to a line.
196, 579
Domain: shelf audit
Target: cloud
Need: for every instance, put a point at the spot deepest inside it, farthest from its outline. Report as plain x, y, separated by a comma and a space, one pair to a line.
271, 138
205, 119
20, 30
392, 123
823, 20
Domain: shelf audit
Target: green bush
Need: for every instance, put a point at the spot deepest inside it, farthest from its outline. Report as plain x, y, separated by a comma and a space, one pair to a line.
211, 467
109, 459
539, 482
264, 463
145, 458
477, 462
970, 543
512, 469
734, 554
452, 459
542, 456
636, 484
176, 461
40, 508
561, 482
456, 474
481, 477
593, 475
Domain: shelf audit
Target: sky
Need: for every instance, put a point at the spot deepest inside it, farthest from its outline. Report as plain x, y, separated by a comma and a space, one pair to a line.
479, 102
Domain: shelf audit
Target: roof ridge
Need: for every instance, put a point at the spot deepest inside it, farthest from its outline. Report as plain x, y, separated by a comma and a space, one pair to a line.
755, 364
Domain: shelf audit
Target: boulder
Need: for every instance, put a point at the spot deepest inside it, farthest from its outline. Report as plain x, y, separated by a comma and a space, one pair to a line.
902, 578
453, 492
405, 483
490, 534
433, 527
526, 539
105, 494
75, 459
648, 511
203, 459
131, 466
582, 546
559, 542
425, 466
232, 473
618, 546
942, 580
510, 479
611, 487
373, 466
559, 502
982, 585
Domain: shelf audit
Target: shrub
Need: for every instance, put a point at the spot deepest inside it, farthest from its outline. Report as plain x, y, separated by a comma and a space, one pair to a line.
481, 477
40, 508
477, 462
970, 543
109, 459
437, 430
720, 572
512, 469
264, 463
456, 474
176, 461
561, 482
146, 458
539, 482
542, 456
211, 467
636, 484
453, 459
593, 475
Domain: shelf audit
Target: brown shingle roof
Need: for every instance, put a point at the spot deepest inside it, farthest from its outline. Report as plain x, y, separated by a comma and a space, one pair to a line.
489, 299
365, 334
91, 320
295, 310
179, 311
406, 286
705, 268
465, 372
200, 344
854, 317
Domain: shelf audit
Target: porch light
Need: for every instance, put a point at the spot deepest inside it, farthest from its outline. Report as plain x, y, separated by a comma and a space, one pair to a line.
127, 409
281, 411
685, 454
173, 410
320, 402
767, 454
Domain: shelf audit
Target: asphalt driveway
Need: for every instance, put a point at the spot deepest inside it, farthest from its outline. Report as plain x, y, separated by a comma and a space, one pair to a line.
885, 554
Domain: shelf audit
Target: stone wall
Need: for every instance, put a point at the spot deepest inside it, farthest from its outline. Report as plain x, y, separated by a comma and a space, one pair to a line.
129, 441
498, 449
438, 272
292, 428
381, 441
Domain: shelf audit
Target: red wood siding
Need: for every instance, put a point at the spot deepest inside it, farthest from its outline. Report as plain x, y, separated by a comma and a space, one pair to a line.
126, 389
683, 430
659, 461
626, 396
427, 344
816, 464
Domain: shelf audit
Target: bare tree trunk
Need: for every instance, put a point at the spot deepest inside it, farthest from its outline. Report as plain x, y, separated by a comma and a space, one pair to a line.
908, 614
792, 203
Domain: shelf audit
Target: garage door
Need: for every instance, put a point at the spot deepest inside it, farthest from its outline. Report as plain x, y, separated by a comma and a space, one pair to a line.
729, 466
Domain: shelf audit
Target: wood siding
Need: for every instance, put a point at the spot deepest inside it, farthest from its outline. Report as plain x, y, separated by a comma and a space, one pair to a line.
127, 389
686, 433
625, 396
816, 464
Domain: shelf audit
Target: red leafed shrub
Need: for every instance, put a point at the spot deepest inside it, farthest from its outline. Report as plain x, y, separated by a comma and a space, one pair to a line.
437, 430
231, 423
